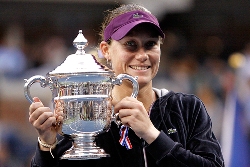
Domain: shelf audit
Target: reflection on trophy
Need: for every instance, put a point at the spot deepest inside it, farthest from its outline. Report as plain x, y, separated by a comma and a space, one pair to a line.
81, 87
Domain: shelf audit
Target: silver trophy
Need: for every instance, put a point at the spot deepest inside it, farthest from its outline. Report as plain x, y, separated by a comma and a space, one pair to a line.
82, 88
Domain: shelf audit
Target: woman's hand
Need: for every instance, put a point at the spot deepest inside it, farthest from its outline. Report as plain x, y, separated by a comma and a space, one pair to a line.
44, 121
133, 114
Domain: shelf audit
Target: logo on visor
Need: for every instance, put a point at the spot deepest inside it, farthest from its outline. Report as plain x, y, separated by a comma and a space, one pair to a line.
136, 16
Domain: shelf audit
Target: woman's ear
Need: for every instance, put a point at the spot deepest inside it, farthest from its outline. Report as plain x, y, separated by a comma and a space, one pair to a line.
104, 48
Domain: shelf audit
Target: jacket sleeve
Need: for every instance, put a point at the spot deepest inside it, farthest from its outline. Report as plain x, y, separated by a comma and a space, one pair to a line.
45, 159
200, 149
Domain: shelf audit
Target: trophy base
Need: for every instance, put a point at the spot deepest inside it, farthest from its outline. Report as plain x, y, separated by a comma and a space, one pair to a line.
76, 154
84, 148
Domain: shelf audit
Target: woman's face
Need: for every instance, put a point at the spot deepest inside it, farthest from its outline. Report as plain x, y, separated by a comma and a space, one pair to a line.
137, 54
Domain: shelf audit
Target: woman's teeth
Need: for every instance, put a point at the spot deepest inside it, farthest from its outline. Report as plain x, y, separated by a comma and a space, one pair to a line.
139, 67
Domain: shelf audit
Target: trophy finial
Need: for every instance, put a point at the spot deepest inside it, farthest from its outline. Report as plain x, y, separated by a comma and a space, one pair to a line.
80, 42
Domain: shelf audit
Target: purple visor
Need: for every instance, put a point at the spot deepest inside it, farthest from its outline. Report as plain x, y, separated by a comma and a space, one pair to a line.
122, 24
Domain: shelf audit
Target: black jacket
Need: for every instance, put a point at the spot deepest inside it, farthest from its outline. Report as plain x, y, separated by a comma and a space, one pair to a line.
192, 145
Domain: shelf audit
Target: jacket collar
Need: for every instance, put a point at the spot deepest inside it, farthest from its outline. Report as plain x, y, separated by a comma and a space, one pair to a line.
160, 92
159, 108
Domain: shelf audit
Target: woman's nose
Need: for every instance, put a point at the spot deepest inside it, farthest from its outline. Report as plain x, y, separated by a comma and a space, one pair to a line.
141, 55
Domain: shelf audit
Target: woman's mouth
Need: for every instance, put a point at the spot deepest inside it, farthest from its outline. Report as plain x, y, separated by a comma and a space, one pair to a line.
140, 67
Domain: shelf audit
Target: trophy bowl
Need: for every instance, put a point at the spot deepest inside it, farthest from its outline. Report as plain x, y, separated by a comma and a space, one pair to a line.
82, 89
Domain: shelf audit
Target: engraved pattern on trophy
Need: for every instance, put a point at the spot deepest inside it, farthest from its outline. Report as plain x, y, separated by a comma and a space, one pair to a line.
84, 106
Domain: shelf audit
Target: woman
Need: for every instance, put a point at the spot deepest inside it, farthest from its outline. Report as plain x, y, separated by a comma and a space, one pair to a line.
166, 128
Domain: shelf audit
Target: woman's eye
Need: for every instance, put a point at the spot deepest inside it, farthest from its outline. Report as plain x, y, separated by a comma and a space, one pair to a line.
150, 44
131, 45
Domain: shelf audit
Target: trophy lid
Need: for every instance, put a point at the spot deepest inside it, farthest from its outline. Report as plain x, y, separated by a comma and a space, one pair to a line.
80, 62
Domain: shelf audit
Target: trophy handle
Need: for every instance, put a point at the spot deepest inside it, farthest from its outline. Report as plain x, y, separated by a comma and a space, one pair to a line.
120, 77
31, 81
118, 81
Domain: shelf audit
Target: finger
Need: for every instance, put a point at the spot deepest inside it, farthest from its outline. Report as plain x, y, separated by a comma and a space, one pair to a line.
59, 119
58, 109
132, 117
59, 113
134, 108
125, 113
39, 111
36, 104
36, 99
58, 102
125, 121
124, 104
45, 121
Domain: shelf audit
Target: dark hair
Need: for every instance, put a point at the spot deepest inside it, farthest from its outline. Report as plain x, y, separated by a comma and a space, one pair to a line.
111, 14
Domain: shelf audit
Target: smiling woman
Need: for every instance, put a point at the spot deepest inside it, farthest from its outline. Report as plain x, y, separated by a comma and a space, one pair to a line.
159, 127
137, 54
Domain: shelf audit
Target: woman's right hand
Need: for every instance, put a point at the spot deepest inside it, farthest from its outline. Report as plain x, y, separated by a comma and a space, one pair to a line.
44, 121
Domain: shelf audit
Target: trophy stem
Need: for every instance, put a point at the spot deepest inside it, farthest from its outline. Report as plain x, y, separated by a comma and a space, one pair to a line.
84, 148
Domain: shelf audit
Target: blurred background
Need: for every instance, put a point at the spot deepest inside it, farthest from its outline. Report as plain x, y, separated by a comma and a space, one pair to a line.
206, 52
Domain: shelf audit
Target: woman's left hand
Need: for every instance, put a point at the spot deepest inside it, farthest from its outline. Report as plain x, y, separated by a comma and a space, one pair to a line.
134, 115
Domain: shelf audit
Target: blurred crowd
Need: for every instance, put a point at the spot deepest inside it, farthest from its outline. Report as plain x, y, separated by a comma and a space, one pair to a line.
21, 59
206, 75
